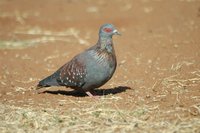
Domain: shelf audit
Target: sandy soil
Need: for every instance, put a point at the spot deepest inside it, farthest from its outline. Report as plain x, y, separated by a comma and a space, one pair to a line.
158, 73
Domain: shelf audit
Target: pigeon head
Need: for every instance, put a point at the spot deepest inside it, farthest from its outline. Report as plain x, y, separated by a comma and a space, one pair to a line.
108, 30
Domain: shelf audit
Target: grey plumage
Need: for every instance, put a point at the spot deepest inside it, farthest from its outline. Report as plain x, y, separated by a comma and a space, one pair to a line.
89, 69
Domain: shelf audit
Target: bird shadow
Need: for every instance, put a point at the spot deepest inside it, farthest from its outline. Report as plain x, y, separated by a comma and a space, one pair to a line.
96, 92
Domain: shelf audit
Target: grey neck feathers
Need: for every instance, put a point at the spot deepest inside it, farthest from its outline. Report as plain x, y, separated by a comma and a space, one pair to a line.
106, 43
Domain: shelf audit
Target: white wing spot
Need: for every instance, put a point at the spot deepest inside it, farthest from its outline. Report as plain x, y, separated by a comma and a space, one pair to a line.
74, 73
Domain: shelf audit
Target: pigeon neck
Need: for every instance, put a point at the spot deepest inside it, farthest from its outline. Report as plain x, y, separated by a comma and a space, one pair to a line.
106, 43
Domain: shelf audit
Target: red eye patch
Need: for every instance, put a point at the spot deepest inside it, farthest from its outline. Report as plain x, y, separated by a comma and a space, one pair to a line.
107, 29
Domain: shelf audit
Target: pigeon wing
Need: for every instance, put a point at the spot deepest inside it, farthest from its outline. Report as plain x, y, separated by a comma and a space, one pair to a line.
72, 74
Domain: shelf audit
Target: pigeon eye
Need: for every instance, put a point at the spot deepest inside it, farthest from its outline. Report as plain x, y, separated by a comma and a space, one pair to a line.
107, 30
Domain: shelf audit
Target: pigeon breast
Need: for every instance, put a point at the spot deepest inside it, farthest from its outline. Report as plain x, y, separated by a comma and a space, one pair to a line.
100, 66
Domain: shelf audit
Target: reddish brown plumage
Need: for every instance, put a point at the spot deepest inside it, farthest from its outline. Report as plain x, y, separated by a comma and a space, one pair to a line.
72, 74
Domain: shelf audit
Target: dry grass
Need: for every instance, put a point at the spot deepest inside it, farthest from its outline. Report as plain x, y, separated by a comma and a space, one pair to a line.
94, 118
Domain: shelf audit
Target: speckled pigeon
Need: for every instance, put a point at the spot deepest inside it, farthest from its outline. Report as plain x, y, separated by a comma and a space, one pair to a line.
89, 69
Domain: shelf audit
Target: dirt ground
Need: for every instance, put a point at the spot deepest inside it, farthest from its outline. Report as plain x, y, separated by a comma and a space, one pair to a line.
156, 87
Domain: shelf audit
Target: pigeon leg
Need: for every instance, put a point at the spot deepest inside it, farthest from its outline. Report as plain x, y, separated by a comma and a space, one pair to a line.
89, 94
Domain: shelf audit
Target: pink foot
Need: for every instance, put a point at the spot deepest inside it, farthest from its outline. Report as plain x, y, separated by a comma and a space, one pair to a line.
91, 95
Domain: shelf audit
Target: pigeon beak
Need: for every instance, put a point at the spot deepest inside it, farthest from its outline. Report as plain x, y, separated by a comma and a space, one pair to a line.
115, 32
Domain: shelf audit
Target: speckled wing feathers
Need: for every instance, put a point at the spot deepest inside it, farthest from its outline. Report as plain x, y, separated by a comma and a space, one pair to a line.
72, 74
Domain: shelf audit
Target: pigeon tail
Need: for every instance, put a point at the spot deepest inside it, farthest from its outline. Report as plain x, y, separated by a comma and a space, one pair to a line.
49, 81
